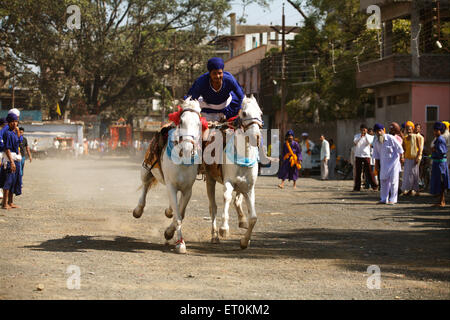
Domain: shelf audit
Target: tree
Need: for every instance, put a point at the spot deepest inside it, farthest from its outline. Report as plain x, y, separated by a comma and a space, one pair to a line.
119, 54
322, 62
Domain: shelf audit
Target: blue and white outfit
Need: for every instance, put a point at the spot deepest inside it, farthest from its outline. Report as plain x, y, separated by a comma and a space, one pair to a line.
440, 179
389, 155
226, 101
9, 180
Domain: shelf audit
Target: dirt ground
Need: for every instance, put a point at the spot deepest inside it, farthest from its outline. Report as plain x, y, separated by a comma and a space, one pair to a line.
315, 242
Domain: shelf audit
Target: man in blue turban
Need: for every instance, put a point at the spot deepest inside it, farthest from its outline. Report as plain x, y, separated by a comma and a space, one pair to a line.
10, 178
387, 151
219, 93
292, 157
440, 179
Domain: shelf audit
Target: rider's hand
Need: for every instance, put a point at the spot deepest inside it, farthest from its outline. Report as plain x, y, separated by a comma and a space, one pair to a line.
223, 118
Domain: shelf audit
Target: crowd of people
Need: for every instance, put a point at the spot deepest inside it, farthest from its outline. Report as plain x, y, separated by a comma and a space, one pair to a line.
388, 162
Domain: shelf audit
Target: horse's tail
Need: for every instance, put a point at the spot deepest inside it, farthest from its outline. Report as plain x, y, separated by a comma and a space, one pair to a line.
147, 177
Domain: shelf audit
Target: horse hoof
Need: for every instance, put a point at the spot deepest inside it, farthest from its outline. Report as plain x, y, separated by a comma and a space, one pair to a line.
243, 225
244, 244
215, 240
180, 248
169, 213
224, 233
137, 212
168, 235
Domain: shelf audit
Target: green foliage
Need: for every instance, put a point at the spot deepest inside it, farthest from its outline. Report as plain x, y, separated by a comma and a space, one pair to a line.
332, 93
121, 53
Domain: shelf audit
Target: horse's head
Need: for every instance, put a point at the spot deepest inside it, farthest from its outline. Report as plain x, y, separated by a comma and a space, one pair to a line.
250, 118
189, 126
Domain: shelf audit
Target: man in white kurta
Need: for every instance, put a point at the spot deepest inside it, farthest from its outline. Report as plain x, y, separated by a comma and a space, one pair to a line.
307, 147
387, 152
324, 157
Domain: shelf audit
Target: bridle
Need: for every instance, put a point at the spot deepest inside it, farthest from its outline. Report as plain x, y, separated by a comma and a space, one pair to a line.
244, 124
182, 138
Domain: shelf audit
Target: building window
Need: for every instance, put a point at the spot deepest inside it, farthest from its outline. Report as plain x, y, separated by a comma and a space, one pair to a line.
398, 99
380, 102
432, 113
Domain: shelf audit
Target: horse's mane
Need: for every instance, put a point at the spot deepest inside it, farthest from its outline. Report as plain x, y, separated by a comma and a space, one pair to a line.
251, 102
191, 104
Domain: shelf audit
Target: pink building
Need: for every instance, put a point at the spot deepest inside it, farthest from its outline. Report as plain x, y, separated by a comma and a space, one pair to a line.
411, 86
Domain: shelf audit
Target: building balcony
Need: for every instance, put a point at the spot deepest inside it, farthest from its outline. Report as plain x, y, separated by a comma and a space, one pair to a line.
398, 68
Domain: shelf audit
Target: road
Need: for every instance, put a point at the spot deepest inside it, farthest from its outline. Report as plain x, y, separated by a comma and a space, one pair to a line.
315, 242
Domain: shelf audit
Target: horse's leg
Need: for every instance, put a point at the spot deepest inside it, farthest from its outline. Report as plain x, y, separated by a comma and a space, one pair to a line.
170, 230
227, 197
211, 191
147, 180
180, 245
169, 212
250, 200
243, 223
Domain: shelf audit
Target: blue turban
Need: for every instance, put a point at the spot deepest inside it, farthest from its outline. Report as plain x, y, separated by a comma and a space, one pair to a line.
11, 117
440, 126
290, 133
377, 127
215, 64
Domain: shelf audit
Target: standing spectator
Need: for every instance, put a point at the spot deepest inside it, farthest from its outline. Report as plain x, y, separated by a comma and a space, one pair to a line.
387, 152
10, 179
440, 180
446, 136
413, 156
396, 131
333, 158
306, 146
2, 125
24, 150
418, 129
292, 157
324, 157
362, 142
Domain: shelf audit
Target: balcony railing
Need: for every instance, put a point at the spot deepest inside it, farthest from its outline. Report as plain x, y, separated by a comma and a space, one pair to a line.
398, 68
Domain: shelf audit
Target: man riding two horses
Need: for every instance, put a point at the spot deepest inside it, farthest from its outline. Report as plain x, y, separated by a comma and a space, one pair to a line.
220, 96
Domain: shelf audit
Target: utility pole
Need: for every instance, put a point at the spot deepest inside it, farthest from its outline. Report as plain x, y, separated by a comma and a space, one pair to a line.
13, 89
283, 32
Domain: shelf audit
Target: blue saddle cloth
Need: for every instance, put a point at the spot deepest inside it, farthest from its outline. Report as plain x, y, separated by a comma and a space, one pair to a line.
241, 161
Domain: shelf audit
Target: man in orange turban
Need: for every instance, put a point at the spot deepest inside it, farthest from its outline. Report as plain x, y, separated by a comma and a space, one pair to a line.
413, 147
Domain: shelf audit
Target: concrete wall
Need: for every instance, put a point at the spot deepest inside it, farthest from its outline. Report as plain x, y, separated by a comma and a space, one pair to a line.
341, 131
245, 60
398, 112
430, 94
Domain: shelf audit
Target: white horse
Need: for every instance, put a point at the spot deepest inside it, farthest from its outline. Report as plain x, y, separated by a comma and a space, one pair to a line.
238, 177
176, 176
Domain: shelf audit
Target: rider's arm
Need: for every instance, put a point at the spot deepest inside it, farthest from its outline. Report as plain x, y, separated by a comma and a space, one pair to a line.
238, 96
196, 90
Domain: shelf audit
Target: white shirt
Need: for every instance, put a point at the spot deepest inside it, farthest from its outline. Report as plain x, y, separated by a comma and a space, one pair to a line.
362, 145
389, 155
325, 150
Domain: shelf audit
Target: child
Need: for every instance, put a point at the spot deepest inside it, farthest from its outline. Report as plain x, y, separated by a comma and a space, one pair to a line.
440, 180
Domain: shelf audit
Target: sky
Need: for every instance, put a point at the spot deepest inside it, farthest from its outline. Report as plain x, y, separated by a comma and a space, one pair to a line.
259, 15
